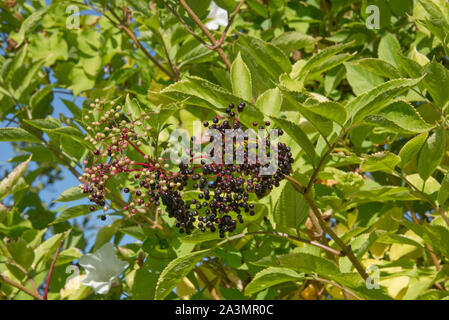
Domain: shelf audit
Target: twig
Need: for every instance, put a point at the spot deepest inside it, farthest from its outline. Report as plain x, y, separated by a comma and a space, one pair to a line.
52, 267
20, 287
25, 272
342, 288
346, 249
175, 71
306, 193
120, 25
206, 31
231, 19
287, 236
136, 41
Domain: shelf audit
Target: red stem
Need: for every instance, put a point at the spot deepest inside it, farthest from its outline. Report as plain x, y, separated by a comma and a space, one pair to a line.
52, 267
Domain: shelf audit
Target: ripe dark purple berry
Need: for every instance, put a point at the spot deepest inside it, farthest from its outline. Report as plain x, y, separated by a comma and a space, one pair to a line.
224, 192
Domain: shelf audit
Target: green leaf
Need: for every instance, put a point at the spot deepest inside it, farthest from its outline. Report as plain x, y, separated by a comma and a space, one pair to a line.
71, 194
443, 194
48, 123
17, 134
144, 285
228, 5
401, 117
270, 277
199, 7
73, 212
303, 262
199, 237
241, 79
270, 102
296, 133
380, 161
67, 256
389, 49
132, 108
409, 66
329, 110
411, 148
436, 82
313, 63
30, 23
320, 122
361, 79
176, 271
432, 153
265, 61
379, 67
293, 40
291, 208
258, 8
8, 183
37, 97
375, 100
46, 250
21, 253
199, 92
421, 59
439, 238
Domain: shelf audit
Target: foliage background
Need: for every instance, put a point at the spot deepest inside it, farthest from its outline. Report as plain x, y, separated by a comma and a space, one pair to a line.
364, 112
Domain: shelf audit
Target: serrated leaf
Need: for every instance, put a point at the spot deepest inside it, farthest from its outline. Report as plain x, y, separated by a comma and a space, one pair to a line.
432, 153
379, 67
176, 271
17, 134
200, 92
270, 102
381, 161
361, 79
321, 123
389, 49
71, 194
400, 117
199, 237
375, 100
321, 57
270, 277
302, 262
330, 110
411, 148
293, 40
290, 209
28, 25
436, 82
73, 212
8, 183
296, 133
443, 194
46, 249
265, 61
241, 79
439, 238
132, 108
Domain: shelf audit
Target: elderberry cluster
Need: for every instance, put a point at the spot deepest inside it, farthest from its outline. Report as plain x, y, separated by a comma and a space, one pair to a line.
224, 193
